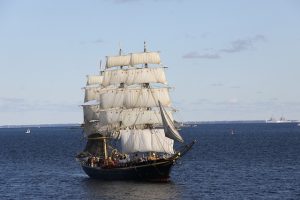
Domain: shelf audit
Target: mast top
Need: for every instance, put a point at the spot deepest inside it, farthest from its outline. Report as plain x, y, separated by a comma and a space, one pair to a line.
120, 49
100, 67
145, 46
120, 52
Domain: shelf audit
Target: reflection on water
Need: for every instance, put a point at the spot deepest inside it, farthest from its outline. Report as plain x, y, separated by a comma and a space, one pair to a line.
96, 189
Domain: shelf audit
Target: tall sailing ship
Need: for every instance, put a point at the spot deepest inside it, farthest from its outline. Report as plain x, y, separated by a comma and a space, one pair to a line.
128, 121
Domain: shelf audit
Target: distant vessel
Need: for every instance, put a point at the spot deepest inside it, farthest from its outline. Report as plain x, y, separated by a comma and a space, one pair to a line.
128, 121
281, 120
27, 131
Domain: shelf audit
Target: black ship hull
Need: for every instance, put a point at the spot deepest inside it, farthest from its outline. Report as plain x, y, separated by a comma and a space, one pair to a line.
156, 171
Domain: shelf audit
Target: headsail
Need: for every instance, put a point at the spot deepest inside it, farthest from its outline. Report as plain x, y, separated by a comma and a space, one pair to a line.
169, 127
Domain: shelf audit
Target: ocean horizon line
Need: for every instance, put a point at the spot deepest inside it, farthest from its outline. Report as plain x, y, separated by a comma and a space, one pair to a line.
79, 124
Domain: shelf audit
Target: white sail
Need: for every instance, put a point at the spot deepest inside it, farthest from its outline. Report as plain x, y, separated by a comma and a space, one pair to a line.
134, 76
145, 57
146, 140
122, 111
135, 98
95, 121
90, 113
131, 117
94, 79
91, 103
113, 61
168, 124
91, 93
133, 59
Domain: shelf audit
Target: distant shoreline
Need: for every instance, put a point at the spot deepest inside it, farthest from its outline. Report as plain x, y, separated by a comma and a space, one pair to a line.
226, 122
40, 125
184, 123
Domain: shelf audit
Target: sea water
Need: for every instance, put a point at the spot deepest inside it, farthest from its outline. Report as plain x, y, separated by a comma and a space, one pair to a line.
229, 161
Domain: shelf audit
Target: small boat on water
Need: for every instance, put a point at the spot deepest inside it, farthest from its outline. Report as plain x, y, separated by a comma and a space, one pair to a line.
281, 120
128, 121
28, 131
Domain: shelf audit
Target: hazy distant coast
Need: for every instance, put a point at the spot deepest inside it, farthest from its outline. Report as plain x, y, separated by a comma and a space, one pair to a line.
40, 125
184, 123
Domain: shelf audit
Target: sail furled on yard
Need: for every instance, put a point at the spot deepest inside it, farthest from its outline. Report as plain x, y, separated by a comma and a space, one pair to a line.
134, 76
137, 140
134, 98
169, 128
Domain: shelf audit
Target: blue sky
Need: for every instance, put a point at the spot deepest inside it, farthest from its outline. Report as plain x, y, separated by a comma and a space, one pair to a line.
228, 60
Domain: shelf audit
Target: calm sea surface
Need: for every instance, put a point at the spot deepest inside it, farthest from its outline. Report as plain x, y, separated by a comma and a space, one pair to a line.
259, 161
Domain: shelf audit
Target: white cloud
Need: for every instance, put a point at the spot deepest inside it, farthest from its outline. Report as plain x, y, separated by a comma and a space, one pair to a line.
195, 54
243, 44
235, 46
233, 100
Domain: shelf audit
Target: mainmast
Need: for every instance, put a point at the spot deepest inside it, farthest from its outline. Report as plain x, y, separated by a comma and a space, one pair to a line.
121, 67
146, 85
120, 53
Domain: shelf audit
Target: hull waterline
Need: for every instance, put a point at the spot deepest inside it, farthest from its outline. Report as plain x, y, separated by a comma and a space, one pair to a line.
159, 171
